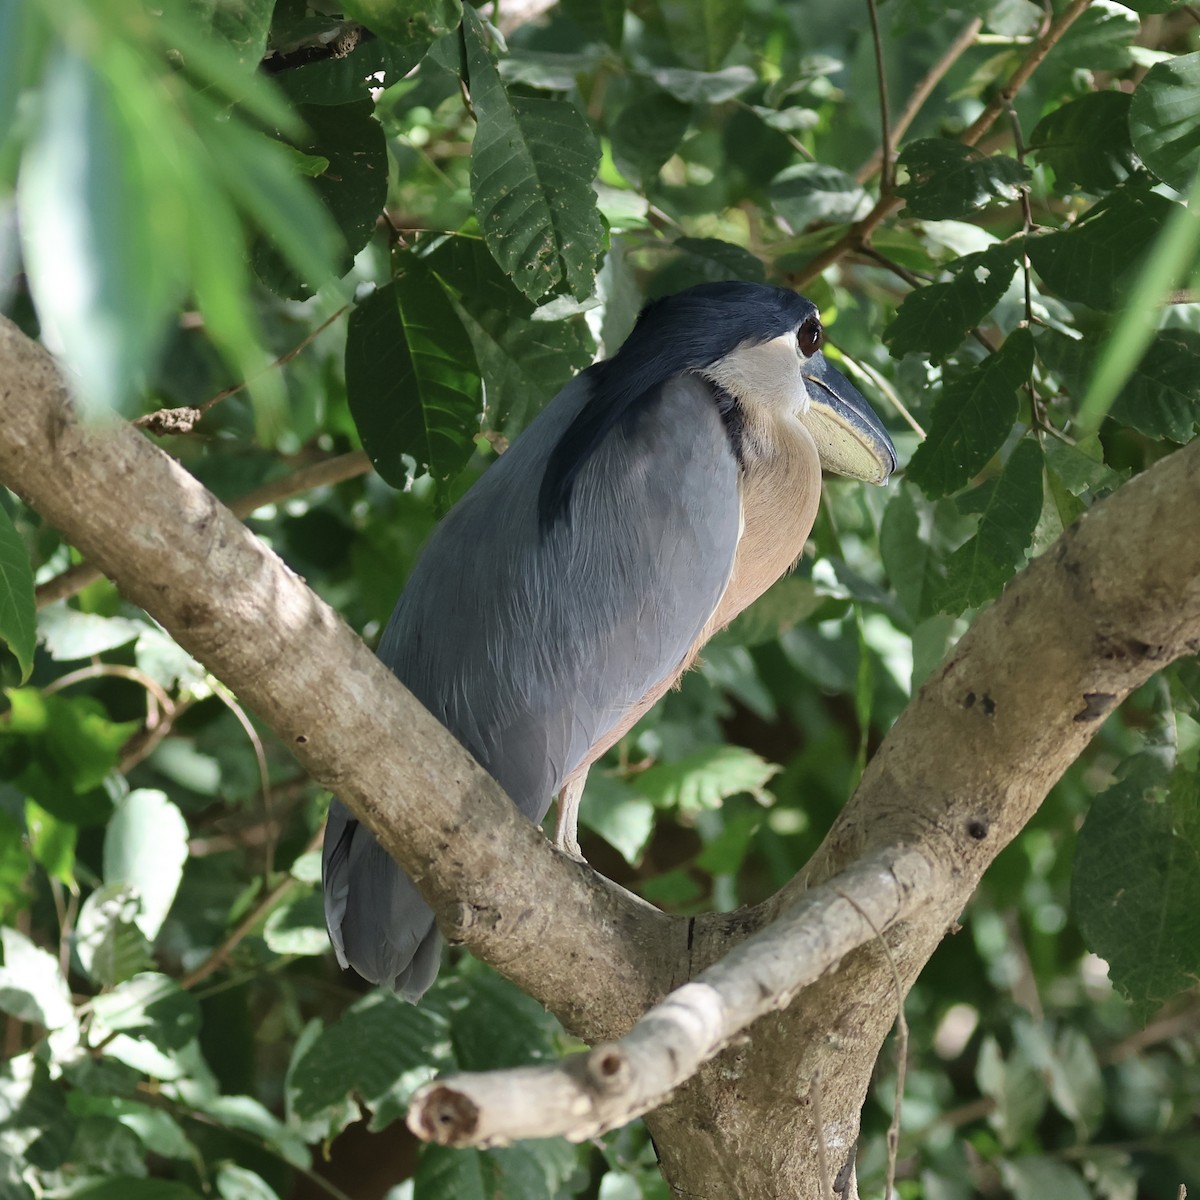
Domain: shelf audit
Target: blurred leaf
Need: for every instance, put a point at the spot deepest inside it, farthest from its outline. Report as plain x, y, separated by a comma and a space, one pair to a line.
409, 378
70, 635
129, 1187
408, 23
14, 866
1035, 1178
243, 25
935, 319
909, 556
149, 1006
948, 179
145, 847
813, 192
110, 946
32, 988
702, 32
971, 418
298, 926
1164, 120
705, 779
51, 842
532, 165
18, 610
703, 260
1086, 142
647, 132
612, 809
237, 1183
1094, 261
1099, 40
1162, 397
103, 290
976, 571
702, 87
785, 603
603, 19
1135, 887
1016, 1088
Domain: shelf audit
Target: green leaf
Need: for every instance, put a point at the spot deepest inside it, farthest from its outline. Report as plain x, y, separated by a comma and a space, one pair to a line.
381, 1049
100, 283
1094, 261
936, 319
976, 571
647, 132
532, 165
243, 26
706, 778
909, 554
1135, 888
971, 418
408, 23
1162, 397
149, 1006
524, 361
1099, 40
18, 608
1016, 1089
702, 32
618, 814
70, 635
703, 87
145, 847
298, 926
703, 260
1164, 120
237, 1183
948, 180
51, 842
14, 866
129, 1187
32, 987
531, 1170
1035, 1178
110, 946
410, 378
602, 19
1086, 142
814, 192
785, 603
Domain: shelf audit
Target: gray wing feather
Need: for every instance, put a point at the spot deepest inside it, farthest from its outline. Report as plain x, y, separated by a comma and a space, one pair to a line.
530, 646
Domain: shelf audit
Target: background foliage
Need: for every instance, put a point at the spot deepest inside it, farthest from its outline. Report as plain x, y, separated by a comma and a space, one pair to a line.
188, 192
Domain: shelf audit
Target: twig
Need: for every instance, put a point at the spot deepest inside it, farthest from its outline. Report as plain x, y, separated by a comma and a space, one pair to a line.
313, 475
220, 954
886, 148
586, 1094
857, 236
921, 93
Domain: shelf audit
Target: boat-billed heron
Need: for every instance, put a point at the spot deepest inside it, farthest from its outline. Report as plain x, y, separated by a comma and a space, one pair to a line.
658, 494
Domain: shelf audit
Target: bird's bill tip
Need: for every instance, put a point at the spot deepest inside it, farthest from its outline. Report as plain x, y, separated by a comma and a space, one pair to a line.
851, 439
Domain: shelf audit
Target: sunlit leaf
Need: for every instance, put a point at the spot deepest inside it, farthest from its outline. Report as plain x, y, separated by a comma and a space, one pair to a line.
18, 609
812, 192
145, 847
705, 779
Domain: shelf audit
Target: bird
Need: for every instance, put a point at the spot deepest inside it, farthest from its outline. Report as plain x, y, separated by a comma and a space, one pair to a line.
660, 492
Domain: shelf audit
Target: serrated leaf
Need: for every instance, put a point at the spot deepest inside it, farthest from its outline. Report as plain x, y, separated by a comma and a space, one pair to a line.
1079, 468
145, 847
531, 1170
936, 319
524, 361
408, 23
532, 166
702, 32
971, 418
410, 378
976, 571
1135, 888
1086, 142
381, 1049
18, 608
948, 180
706, 778
814, 192
1164, 120
108, 943
1094, 260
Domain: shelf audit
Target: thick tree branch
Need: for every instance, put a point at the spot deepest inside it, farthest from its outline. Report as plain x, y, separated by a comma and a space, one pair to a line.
587, 1094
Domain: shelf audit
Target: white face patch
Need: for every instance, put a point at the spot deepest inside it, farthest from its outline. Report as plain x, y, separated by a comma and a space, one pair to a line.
766, 375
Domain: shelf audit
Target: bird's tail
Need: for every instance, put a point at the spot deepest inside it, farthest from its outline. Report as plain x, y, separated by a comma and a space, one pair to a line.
377, 921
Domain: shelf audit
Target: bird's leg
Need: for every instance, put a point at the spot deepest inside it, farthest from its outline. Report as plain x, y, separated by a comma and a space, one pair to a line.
566, 826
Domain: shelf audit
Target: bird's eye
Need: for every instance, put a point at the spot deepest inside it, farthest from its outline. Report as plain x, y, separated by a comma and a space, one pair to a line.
809, 337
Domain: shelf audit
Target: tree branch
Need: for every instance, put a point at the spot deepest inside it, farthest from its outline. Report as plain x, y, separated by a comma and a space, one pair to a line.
587, 1094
